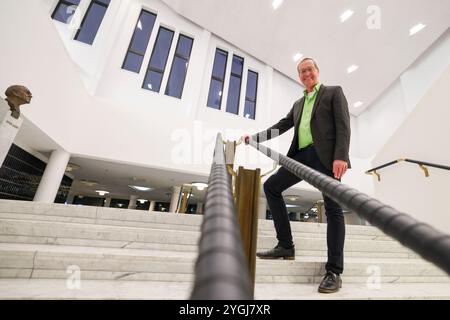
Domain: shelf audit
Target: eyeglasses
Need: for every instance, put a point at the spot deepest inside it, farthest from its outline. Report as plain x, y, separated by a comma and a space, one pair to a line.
308, 69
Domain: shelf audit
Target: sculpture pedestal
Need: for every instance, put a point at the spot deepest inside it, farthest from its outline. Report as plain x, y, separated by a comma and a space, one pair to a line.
9, 127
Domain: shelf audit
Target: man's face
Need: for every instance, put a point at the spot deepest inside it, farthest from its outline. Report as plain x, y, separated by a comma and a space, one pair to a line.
308, 74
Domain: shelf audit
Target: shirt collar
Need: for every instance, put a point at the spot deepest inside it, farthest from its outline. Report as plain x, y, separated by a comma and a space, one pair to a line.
316, 89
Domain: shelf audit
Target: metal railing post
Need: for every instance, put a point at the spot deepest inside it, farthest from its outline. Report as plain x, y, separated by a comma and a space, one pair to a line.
248, 183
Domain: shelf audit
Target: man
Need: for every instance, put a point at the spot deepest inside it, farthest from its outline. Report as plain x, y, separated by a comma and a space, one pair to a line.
321, 141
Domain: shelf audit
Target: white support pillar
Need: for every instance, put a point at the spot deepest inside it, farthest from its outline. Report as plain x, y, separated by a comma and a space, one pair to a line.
199, 208
70, 198
133, 202
152, 206
107, 203
176, 192
53, 174
262, 207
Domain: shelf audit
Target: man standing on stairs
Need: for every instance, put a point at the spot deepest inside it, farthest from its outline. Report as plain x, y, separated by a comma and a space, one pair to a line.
321, 141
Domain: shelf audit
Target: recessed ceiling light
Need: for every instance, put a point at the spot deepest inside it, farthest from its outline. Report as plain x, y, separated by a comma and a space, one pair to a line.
200, 185
291, 206
142, 201
297, 57
416, 28
352, 68
346, 15
276, 4
89, 183
72, 167
358, 104
292, 197
101, 192
138, 188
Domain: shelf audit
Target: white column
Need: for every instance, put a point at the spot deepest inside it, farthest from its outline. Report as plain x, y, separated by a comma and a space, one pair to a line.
107, 202
152, 206
199, 208
132, 204
176, 191
262, 207
70, 198
53, 174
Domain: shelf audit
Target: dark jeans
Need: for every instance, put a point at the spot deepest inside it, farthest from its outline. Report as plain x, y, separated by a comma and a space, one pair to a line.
281, 181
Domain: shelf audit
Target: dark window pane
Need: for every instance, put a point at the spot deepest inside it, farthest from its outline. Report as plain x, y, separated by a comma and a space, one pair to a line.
184, 46
161, 50
215, 94
139, 42
234, 92
64, 11
104, 1
153, 81
179, 67
252, 83
177, 77
249, 110
143, 31
251, 95
91, 23
237, 66
133, 62
220, 64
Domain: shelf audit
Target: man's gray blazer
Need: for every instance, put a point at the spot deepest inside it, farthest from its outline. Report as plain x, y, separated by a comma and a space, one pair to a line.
330, 126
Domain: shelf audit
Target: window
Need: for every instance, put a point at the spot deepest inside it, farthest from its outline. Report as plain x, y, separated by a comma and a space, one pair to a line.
217, 79
158, 60
64, 10
92, 21
250, 96
179, 67
139, 42
234, 90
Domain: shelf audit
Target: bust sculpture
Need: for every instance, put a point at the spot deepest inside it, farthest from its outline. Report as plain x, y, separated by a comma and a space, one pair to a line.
16, 96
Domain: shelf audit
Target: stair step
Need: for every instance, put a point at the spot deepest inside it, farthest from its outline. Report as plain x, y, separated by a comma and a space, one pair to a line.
148, 290
125, 215
125, 236
268, 231
47, 261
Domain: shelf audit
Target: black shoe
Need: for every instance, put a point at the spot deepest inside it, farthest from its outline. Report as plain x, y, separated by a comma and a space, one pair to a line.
331, 283
278, 253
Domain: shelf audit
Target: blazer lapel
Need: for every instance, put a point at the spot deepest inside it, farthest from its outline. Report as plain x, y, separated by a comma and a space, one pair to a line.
319, 96
299, 113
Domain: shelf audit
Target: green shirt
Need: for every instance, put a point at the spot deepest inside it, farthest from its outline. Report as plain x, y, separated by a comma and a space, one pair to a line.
304, 130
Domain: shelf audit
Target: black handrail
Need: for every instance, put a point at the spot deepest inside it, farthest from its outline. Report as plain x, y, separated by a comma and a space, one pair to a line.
221, 271
428, 242
423, 163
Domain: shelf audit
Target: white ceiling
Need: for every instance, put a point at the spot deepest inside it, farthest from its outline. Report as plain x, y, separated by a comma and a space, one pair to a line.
313, 28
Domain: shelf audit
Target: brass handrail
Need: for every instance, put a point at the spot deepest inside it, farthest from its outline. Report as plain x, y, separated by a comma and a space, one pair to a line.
422, 165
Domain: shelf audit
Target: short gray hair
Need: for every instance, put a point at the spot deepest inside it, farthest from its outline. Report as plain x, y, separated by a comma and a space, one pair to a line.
307, 58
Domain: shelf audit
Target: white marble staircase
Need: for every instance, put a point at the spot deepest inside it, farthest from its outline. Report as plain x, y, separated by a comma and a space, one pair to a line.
129, 254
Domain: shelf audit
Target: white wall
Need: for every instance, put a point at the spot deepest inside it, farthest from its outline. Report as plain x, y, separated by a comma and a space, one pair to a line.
377, 124
92, 108
419, 77
423, 136
380, 121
